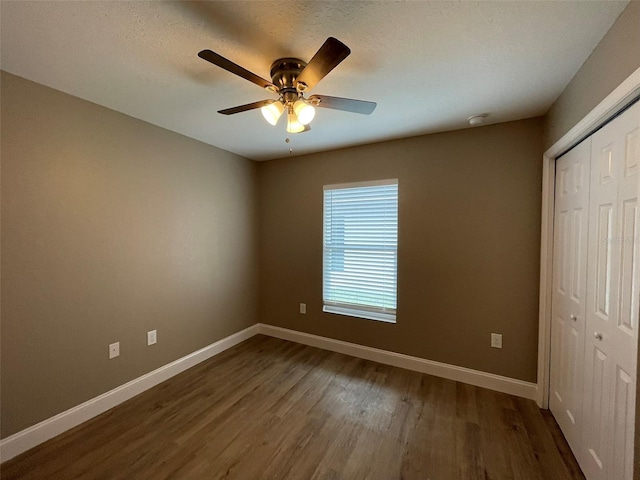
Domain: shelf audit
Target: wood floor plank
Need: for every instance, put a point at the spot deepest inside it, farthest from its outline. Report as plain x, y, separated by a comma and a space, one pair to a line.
561, 456
271, 409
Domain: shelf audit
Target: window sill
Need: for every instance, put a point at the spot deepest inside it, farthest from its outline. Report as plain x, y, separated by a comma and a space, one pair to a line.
353, 312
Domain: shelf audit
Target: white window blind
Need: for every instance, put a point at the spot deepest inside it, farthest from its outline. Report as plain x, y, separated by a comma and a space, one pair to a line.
361, 249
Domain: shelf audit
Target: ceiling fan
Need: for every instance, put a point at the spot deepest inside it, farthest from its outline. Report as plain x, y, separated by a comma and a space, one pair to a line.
290, 79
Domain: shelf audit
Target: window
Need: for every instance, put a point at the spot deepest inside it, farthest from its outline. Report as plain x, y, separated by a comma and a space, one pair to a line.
361, 249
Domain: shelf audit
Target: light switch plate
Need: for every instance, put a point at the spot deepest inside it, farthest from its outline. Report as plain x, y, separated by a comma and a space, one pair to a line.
152, 337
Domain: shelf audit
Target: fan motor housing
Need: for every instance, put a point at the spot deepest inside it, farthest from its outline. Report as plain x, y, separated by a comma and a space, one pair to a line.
284, 72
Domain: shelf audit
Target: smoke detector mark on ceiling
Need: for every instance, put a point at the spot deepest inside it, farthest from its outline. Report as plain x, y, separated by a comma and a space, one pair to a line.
476, 120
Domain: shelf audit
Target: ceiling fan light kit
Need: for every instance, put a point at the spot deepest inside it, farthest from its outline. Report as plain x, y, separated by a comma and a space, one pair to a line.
293, 124
304, 111
290, 79
272, 112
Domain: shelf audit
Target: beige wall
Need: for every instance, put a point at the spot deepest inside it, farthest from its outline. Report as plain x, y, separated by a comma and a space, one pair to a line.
615, 58
112, 227
469, 235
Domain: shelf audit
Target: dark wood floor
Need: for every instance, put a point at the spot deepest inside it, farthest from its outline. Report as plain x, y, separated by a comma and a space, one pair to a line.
271, 409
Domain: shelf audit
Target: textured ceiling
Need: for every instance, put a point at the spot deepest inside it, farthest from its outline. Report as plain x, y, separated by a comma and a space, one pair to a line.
428, 65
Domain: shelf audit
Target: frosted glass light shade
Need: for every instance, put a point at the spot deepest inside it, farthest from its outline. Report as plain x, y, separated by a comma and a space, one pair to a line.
293, 125
272, 112
304, 112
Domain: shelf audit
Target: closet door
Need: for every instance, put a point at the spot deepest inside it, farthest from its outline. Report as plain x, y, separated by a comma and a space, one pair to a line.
569, 290
612, 310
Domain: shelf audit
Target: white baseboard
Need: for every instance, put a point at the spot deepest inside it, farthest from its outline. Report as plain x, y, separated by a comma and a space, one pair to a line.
491, 381
49, 428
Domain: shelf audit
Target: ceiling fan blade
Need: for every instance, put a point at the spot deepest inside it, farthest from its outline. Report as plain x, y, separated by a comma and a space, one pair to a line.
244, 108
331, 53
229, 66
345, 104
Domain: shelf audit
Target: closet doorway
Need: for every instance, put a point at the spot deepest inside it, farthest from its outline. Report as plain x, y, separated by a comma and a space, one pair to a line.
595, 297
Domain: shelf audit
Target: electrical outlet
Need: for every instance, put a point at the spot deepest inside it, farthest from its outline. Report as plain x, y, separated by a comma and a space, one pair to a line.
303, 308
496, 340
152, 337
114, 350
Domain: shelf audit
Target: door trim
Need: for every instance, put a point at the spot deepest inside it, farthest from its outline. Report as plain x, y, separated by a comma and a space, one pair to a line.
605, 110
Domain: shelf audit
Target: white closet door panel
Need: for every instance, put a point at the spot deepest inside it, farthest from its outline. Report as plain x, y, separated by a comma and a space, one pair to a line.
594, 450
603, 253
624, 331
612, 306
569, 290
623, 411
628, 317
